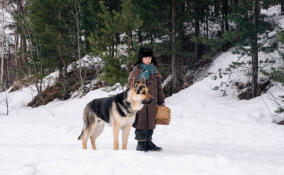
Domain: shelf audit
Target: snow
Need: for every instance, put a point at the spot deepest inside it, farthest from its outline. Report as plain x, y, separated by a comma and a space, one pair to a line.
210, 134
86, 61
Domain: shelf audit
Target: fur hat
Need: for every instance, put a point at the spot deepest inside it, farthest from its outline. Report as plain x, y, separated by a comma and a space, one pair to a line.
146, 52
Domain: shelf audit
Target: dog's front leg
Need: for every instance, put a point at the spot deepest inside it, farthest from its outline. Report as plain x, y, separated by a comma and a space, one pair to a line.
125, 135
115, 135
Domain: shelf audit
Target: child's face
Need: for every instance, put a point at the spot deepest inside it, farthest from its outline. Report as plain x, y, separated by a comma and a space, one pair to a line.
147, 60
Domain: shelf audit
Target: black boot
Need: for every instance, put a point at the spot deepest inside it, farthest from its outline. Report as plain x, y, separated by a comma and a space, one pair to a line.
153, 147
142, 146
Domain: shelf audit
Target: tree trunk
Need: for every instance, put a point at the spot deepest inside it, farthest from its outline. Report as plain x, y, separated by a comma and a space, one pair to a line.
24, 56
236, 2
131, 40
16, 56
207, 22
9, 78
216, 7
62, 62
196, 45
254, 49
129, 36
225, 15
128, 43
78, 44
282, 7
20, 61
3, 44
174, 61
197, 32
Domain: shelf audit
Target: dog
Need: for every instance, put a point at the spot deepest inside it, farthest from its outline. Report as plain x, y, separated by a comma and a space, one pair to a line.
118, 111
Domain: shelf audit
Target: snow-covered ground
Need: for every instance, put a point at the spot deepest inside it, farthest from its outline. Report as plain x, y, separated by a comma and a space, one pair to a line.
209, 134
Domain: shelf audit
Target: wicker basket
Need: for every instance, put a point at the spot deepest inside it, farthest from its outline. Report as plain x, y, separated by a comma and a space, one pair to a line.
163, 116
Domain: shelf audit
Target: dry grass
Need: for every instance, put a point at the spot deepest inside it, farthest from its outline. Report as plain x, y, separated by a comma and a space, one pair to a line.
73, 84
23, 83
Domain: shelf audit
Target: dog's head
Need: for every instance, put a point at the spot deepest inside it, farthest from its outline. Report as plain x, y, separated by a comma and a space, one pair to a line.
139, 92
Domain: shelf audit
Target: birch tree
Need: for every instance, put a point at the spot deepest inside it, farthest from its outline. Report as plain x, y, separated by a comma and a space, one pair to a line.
3, 42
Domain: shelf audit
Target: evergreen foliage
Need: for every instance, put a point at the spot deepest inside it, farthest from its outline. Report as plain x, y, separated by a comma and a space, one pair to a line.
185, 34
52, 25
278, 74
118, 30
250, 28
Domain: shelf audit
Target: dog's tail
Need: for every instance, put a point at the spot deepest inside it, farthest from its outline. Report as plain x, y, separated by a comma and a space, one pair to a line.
80, 137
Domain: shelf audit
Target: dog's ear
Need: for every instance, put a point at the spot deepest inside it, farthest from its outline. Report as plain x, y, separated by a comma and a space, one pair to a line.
143, 81
133, 83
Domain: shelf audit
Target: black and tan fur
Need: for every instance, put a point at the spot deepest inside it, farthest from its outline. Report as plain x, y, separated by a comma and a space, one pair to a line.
119, 111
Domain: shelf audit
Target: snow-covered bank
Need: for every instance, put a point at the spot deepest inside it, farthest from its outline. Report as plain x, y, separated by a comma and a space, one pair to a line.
209, 134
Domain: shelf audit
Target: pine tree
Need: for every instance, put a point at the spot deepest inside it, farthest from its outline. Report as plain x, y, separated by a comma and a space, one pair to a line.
3, 45
18, 10
225, 10
250, 26
282, 6
108, 43
128, 23
54, 30
278, 74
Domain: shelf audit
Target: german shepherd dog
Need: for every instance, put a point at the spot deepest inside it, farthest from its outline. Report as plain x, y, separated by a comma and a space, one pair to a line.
118, 111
